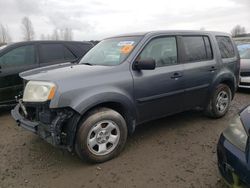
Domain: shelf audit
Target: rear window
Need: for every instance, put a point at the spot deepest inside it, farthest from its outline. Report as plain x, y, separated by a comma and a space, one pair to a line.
225, 46
55, 52
196, 48
79, 49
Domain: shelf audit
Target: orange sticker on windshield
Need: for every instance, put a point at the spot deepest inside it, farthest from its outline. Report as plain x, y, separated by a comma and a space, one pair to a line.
126, 49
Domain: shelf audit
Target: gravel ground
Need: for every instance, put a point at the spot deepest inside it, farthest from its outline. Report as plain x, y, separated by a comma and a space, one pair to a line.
177, 151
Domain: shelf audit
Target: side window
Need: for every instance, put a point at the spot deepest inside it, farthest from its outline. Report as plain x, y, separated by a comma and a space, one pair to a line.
196, 48
225, 46
208, 48
21, 56
54, 52
163, 50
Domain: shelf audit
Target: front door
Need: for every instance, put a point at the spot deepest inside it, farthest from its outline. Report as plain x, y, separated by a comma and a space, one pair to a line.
159, 92
12, 63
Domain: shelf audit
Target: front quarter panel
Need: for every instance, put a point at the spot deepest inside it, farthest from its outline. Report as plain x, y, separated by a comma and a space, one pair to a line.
82, 93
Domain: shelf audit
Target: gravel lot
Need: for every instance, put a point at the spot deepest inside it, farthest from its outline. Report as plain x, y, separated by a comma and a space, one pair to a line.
178, 151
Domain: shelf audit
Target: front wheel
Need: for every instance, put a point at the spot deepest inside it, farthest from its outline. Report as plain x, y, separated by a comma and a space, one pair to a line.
219, 102
101, 136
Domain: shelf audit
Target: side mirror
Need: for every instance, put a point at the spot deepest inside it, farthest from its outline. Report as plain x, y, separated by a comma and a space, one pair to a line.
145, 64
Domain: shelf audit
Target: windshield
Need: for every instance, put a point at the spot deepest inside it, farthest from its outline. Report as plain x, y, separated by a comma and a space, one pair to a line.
111, 51
245, 54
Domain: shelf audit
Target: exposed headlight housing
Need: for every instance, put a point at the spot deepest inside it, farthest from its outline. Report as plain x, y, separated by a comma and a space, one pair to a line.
38, 91
236, 134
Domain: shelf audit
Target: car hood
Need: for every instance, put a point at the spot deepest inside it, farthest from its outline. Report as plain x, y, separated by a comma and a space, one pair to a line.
245, 118
62, 72
245, 65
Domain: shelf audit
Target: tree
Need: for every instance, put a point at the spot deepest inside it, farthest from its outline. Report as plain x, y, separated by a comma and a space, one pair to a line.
238, 30
4, 34
66, 34
42, 37
28, 31
55, 35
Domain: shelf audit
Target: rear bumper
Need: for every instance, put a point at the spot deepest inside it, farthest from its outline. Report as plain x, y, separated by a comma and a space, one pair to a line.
244, 82
232, 164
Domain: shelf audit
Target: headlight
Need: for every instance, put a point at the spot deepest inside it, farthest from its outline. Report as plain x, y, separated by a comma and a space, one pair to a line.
236, 134
37, 91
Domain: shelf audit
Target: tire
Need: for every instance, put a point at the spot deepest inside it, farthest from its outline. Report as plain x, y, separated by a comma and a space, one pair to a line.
102, 129
219, 102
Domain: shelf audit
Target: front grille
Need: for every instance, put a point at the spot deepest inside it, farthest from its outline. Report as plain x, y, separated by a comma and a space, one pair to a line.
244, 84
245, 74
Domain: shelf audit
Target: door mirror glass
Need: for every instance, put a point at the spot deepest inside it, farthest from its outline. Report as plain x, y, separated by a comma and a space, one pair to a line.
145, 64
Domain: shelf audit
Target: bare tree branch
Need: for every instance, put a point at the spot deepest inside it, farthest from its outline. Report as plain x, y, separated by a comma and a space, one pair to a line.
66, 34
238, 30
28, 31
59, 34
55, 35
4, 34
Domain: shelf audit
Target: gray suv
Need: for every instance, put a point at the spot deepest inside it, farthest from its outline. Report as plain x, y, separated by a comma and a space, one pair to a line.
92, 106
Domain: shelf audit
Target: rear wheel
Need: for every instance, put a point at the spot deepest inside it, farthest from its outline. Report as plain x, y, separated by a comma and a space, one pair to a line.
219, 102
101, 136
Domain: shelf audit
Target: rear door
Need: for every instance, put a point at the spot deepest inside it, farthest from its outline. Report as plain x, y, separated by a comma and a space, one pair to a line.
229, 55
199, 68
159, 92
54, 53
12, 62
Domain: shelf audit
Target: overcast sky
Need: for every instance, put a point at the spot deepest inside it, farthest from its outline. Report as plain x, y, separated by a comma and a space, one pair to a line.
96, 19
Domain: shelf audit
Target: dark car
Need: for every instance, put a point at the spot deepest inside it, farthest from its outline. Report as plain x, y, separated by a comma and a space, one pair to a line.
124, 81
18, 57
233, 151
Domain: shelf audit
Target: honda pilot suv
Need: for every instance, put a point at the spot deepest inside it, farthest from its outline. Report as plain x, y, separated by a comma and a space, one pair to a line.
92, 106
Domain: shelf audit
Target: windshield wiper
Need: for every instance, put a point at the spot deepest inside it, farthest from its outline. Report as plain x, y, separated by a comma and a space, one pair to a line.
86, 64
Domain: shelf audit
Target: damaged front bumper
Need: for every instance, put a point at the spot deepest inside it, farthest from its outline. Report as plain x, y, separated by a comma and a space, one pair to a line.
57, 127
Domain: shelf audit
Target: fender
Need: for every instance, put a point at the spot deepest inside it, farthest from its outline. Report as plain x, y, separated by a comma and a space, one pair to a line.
91, 97
96, 97
104, 97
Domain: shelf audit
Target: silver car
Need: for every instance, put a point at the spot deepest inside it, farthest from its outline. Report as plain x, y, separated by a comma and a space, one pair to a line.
245, 69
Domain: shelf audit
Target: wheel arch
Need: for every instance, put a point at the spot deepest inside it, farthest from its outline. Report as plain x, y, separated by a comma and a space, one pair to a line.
121, 104
227, 79
230, 84
127, 112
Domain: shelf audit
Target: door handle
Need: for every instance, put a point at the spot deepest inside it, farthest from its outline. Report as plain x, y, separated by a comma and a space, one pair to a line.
176, 75
212, 68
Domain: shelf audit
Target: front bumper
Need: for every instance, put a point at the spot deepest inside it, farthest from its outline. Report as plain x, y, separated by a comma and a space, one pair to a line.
54, 132
21, 121
232, 163
244, 82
